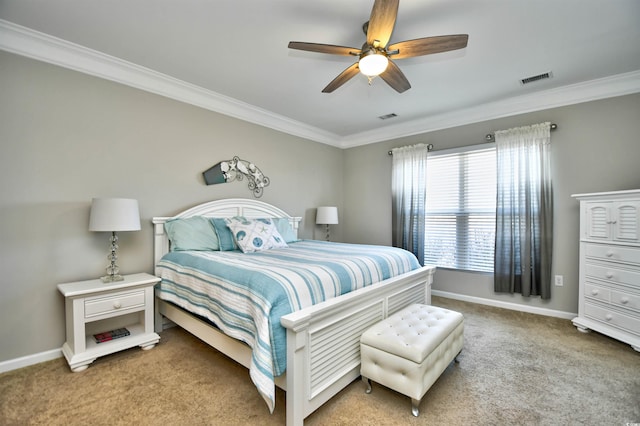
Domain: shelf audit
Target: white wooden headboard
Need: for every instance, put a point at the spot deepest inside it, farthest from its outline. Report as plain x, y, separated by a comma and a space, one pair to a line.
220, 208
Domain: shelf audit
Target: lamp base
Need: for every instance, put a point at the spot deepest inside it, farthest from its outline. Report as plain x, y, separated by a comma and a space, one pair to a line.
112, 270
112, 278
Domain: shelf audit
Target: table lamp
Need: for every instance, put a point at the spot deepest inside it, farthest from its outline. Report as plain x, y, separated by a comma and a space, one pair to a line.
114, 215
327, 216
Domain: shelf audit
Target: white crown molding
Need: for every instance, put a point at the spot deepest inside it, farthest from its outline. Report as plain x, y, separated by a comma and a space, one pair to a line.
617, 85
43, 47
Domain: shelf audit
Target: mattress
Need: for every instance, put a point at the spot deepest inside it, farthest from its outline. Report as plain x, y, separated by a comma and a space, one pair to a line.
245, 294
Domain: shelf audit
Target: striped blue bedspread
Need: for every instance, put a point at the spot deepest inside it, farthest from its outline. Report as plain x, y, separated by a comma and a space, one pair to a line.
245, 294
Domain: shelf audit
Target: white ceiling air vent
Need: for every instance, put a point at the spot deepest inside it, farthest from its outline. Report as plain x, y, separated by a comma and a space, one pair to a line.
538, 77
388, 116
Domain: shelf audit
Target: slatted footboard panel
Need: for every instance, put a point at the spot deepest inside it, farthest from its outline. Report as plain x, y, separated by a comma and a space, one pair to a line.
415, 294
335, 349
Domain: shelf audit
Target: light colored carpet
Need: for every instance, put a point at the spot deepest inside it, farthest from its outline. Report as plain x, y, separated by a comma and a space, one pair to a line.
515, 369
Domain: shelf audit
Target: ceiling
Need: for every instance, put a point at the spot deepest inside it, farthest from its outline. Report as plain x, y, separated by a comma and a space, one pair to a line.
231, 56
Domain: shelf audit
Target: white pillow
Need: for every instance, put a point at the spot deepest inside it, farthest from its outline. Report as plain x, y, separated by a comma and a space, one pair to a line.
255, 235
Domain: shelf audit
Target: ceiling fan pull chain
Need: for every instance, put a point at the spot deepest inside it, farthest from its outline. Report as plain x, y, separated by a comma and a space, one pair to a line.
371, 77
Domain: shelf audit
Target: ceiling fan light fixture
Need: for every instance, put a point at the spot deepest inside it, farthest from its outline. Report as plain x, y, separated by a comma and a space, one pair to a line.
372, 63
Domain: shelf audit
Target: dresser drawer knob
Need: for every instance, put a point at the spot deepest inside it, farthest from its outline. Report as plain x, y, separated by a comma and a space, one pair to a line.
609, 274
609, 253
624, 300
608, 317
117, 305
594, 292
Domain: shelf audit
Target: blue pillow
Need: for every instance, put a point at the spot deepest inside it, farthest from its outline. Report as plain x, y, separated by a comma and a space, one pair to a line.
192, 233
284, 228
225, 237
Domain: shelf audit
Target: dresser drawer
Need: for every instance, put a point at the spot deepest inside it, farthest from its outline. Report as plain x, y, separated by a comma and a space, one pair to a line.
113, 303
612, 274
613, 253
593, 291
626, 300
612, 318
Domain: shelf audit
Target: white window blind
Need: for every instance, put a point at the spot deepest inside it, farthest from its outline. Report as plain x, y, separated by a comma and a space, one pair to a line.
461, 208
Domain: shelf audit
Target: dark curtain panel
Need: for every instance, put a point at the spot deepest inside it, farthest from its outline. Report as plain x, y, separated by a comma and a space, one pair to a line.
408, 192
524, 211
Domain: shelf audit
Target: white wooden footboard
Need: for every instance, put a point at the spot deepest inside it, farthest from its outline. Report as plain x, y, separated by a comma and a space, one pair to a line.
323, 341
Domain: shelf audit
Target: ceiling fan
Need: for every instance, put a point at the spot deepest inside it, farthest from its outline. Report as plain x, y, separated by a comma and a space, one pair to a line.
375, 56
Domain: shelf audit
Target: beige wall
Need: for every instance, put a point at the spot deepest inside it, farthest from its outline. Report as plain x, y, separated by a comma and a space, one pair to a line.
66, 137
596, 148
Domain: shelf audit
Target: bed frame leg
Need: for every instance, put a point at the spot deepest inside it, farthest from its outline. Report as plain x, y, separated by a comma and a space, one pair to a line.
296, 377
295, 416
157, 316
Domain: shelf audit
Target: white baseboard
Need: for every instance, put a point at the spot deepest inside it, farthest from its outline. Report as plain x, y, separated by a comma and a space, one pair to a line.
25, 361
505, 305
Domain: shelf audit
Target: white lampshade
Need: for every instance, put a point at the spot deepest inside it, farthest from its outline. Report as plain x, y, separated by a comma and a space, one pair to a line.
373, 64
327, 216
114, 214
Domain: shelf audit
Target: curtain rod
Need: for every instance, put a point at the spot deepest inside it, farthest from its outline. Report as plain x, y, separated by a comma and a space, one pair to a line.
429, 148
491, 136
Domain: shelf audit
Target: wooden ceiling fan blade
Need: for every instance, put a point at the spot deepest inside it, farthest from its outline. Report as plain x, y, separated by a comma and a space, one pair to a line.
324, 48
395, 78
342, 78
428, 45
382, 21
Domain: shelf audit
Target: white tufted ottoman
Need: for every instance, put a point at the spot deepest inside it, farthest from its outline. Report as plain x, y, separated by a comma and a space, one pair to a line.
409, 350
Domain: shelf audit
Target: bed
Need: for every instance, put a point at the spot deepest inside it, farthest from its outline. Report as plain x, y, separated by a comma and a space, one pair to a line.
322, 340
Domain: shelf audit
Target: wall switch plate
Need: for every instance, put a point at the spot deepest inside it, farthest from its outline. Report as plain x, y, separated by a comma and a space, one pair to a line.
559, 280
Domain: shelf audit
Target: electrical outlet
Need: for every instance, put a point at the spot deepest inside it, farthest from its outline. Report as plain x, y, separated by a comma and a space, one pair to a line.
559, 280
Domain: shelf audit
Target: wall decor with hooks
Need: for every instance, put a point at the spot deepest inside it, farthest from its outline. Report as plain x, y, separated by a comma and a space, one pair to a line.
237, 169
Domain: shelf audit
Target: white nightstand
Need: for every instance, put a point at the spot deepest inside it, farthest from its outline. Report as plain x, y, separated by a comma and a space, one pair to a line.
94, 307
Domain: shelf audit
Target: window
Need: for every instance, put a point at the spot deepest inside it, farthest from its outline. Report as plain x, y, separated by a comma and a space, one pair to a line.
461, 208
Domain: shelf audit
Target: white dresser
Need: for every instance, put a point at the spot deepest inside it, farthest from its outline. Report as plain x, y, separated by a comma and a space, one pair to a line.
610, 265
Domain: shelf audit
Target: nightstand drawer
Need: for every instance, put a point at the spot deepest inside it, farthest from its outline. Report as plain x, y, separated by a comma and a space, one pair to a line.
113, 303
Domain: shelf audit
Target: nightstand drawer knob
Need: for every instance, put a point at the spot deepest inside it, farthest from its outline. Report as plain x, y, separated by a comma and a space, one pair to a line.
624, 300
609, 274
117, 305
594, 292
608, 317
609, 253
